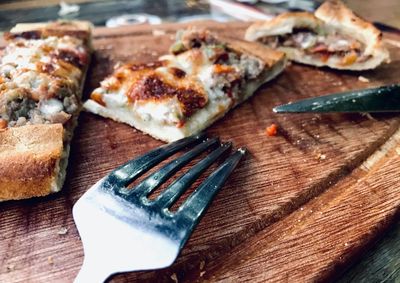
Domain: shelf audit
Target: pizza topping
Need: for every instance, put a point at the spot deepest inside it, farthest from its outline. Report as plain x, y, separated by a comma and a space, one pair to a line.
60, 117
221, 69
40, 75
152, 87
186, 40
144, 66
19, 108
50, 106
251, 66
77, 59
24, 110
321, 45
3, 124
177, 72
349, 58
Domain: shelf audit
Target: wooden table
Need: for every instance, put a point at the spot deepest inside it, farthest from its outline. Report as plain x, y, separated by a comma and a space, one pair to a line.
249, 229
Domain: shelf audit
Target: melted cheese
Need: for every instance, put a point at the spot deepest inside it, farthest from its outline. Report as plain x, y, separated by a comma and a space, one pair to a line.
164, 113
50, 106
40, 69
201, 67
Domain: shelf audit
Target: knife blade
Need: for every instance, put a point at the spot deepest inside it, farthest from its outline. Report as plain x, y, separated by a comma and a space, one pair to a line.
379, 99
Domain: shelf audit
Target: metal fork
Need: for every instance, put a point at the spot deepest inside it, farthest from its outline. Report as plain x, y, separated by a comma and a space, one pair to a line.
123, 230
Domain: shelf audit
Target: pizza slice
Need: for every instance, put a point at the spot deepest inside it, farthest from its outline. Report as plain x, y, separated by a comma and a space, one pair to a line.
42, 71
334, 36
186, 91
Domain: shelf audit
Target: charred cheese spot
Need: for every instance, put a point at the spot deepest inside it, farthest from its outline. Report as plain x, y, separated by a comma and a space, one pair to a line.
45, 67
191, 100
177, 72
72, 57
143, 66
128, 74
151, 87
35, 34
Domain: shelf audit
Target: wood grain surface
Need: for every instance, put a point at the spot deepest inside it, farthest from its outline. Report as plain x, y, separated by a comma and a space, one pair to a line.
300, 207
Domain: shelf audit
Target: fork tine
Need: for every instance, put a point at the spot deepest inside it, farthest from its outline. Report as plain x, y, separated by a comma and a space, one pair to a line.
195, 206
179, 186
160, 176
126, 173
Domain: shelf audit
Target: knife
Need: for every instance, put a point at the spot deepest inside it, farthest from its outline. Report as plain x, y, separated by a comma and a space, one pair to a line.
379, 99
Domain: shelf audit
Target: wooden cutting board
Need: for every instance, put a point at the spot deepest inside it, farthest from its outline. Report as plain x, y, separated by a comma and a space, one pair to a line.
300, 207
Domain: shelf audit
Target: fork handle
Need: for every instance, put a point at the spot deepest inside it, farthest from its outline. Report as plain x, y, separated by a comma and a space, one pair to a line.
92, 273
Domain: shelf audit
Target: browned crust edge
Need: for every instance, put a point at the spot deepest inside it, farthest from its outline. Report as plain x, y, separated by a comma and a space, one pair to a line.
336, 14
29, 160
283, 23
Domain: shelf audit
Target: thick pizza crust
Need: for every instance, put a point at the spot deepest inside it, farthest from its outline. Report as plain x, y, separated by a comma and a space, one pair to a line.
31, 158
282, 24
331, 16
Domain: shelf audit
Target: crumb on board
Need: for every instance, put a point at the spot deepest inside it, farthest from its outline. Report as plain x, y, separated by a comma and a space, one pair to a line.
363, 79
63, 231
271, 130
106, 47
398, 150
10, 267
158, 32
50, 260
202, 273
174, 277
321, 156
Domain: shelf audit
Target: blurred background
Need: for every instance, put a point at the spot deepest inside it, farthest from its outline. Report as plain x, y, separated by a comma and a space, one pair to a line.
116, 13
